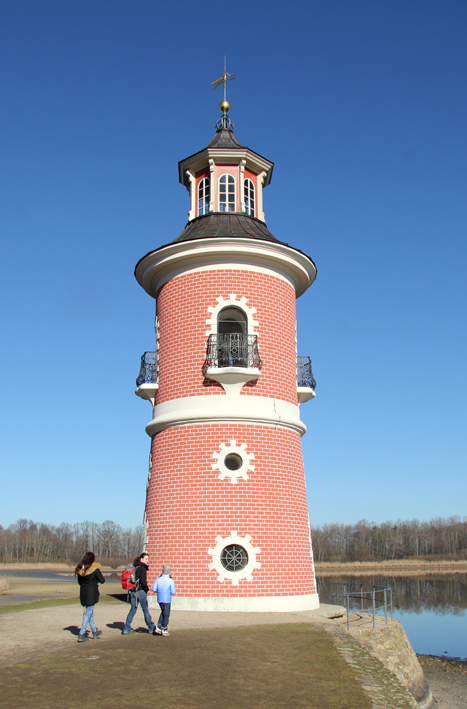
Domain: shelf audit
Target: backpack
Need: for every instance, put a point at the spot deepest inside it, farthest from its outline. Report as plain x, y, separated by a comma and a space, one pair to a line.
128, 578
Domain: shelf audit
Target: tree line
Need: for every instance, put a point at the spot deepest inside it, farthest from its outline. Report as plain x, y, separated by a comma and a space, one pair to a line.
28, 541
443, 538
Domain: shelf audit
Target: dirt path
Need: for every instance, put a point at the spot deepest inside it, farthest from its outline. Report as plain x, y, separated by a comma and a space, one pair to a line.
31, 633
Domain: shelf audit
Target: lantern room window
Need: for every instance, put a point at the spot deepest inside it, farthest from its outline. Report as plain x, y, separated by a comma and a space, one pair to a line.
204, 196
249, 197
227, 193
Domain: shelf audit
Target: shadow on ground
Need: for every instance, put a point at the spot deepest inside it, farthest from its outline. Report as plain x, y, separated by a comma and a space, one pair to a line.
73, 629
119, 597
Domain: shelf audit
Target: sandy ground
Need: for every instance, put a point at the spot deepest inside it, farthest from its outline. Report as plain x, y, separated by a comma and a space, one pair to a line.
30, 633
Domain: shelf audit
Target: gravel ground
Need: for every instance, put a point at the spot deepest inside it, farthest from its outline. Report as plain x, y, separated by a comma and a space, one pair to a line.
447, 679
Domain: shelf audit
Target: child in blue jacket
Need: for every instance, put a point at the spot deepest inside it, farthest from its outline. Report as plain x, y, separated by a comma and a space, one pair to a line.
164, 586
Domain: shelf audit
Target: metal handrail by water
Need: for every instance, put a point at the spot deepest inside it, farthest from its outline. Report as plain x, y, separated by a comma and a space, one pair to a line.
366, 598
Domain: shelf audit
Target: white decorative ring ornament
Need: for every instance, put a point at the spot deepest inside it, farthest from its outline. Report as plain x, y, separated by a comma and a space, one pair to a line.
237, 553
233, 462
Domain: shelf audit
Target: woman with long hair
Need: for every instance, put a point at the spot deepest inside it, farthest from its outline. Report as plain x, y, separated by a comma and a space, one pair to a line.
89, 576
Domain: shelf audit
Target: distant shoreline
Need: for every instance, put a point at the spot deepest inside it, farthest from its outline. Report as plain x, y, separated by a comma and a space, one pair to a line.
398, 567
48, 566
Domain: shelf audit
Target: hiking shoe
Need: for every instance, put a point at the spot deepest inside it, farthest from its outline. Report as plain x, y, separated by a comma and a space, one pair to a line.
164, 631
157, 631
82, 638
128, 632
96, 634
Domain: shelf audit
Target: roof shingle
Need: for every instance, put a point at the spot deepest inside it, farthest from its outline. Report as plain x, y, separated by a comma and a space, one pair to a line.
225, 225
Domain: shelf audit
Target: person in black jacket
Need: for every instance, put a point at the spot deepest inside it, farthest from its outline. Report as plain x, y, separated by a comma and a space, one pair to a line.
139, 594
89, 576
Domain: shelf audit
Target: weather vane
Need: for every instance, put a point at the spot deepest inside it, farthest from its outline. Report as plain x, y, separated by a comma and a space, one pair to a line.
225, 105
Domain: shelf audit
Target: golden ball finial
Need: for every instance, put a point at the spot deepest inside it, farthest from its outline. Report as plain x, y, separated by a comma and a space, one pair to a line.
224, 106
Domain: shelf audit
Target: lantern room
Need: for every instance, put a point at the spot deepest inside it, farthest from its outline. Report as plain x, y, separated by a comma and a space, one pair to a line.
225, 176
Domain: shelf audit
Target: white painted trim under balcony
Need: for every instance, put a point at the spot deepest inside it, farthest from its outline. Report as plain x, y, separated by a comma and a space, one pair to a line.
232, 379
147, 391
305, 394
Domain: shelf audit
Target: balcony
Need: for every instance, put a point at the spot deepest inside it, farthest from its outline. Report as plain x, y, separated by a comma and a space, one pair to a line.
233, 350
146, 383
232, 360
306, 384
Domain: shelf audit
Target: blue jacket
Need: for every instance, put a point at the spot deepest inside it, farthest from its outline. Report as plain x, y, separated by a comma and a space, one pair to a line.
164, 586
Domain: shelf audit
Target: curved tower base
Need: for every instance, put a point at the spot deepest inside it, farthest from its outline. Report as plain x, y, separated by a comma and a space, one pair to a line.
258, 604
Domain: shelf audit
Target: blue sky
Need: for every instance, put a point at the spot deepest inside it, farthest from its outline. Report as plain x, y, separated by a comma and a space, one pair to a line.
362, 106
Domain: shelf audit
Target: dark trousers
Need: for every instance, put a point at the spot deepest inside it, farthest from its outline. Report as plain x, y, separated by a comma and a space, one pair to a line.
164, 616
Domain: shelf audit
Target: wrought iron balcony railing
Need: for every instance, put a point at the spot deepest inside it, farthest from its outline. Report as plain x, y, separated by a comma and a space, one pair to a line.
232, 350
229, 350
304, 374
148, 371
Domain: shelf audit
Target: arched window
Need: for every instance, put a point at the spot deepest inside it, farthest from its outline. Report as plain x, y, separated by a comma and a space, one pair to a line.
232, 343
249, 197
232, 320
227, 193
204, 196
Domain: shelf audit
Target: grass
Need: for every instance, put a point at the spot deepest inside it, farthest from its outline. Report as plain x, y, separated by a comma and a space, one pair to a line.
293, 666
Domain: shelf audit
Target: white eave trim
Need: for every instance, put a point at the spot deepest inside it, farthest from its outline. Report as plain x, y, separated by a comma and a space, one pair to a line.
225, 156
158, 267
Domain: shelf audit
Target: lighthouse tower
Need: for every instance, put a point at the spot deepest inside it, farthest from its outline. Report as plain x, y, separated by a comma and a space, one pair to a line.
226, 500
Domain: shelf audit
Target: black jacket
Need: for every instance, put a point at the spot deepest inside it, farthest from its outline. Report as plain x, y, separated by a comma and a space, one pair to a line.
88, 583
141, 570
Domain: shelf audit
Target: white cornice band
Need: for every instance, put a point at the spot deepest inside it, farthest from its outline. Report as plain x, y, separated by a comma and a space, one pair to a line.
208, 409
223, 156
158, 267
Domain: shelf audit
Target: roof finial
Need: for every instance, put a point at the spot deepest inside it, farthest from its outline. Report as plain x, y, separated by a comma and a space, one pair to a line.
224, 122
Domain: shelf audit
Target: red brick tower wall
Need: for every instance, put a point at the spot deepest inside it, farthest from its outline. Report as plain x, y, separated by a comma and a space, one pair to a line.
188, 506
182, 311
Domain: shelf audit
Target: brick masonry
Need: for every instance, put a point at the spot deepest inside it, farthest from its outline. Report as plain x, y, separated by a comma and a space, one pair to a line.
187, 505
182, 311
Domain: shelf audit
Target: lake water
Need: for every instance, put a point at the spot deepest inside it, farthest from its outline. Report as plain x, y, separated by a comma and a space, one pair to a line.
431, 608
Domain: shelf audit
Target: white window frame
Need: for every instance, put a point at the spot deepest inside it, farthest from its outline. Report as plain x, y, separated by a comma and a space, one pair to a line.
204, 186
229, 179
250, 202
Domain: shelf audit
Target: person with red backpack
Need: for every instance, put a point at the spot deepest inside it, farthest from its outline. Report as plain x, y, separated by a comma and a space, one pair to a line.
138, 594
128, 578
